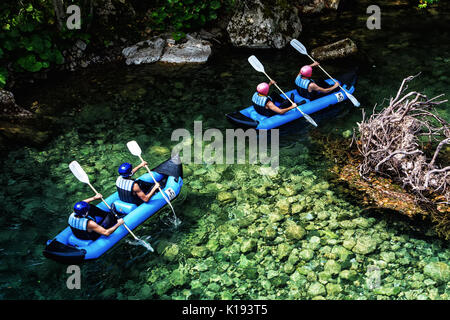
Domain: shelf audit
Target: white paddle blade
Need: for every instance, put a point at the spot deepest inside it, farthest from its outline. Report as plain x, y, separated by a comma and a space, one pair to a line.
298, 46
310, 120
353, 99
134, 148
78, 172
256, 64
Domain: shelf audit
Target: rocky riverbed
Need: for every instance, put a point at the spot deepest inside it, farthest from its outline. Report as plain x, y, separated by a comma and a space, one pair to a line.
247, 232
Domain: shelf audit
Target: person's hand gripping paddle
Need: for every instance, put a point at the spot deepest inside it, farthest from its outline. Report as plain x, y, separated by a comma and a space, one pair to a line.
136, 151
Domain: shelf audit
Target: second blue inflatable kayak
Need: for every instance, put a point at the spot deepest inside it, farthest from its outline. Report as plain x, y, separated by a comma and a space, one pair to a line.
249, 118
67, 248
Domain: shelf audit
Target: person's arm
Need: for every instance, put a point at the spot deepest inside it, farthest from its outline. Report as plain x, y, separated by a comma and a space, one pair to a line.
93, 226
278, 110
96, 197
315, 87
142, 164
271, 82
145, 197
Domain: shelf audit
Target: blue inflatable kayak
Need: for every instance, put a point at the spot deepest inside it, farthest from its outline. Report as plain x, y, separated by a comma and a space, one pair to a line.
66, 248
249, 118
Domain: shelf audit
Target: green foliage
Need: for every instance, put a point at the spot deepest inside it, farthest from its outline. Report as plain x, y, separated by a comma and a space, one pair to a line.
182, 15
3, 76
424, 3
29, 38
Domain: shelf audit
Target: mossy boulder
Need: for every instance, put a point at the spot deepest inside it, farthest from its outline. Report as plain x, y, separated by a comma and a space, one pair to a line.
283, 206
349, 244
387, 256
314, 243
269, 232
275, 217
316, 289
333, 289
171, 252
365, 245
178, 277
349, 275
438, 271
212, 245
387, 291
225, 197
199, 251
306, 254
332, 267
283, 250
294, 231
248, 245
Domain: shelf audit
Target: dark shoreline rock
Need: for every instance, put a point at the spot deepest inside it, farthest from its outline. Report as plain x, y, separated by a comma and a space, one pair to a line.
165, 49
259, 25
9, 108
339, 49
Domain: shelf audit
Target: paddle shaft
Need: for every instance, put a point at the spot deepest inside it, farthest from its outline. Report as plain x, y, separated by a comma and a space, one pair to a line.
347, 93
126, 227
284, 93
154, 180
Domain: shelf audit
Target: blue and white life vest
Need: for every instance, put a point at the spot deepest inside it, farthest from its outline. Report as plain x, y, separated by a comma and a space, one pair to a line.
259, 100
125, 190
79, 223
302, 83
79, 227
259, 104
302, 87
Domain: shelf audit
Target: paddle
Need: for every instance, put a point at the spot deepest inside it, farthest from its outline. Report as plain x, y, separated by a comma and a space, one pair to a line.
81, 175
301, 48
136, 151
260, 68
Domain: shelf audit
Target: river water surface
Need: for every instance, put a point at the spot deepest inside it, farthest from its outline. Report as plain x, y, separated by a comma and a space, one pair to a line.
246, 232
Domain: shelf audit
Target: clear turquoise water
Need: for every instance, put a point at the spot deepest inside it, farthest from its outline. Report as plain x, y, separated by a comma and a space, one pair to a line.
293, 235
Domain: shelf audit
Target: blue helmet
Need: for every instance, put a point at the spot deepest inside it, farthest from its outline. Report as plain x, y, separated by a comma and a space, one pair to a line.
125, 169
81, 208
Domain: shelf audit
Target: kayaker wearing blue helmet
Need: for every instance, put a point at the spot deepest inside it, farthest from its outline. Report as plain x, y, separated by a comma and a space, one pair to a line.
84, 224
130, 190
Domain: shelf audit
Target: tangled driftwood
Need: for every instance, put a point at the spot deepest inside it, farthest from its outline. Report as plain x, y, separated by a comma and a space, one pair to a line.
396, 142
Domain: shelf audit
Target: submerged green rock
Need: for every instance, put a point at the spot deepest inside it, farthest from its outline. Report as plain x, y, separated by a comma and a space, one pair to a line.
316, 289
332, 267
171, 252
306, 254
294, 231
365, 245
225, 197
248, 245
438, 271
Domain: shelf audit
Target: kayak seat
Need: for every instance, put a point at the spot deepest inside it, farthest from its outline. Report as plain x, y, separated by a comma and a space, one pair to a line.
74, 241
124, 207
